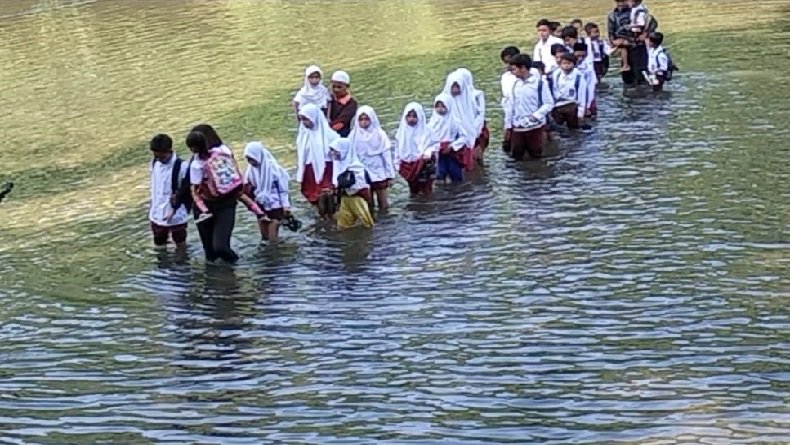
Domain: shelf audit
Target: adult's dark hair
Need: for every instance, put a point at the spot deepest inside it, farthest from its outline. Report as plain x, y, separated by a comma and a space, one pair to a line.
656, 38
508, 52
211, 135
579, 46
198, 143
543, 22
161, 143
558, 48
570, 32
521, 61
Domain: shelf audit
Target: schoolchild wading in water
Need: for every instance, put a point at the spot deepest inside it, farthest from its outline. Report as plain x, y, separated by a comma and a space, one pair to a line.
353, 191
267, 183
374, 148
414, 154
314, 165
168, 215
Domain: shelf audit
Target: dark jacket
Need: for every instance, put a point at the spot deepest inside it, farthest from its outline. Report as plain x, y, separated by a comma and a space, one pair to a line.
340, 116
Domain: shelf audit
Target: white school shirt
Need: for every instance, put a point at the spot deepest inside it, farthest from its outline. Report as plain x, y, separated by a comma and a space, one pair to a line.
161, 191
657, 60
565, 91
599, 48
378, 161
196, 169
592, 83
639, 16
542, 52
278, 197
508, 80
526, 101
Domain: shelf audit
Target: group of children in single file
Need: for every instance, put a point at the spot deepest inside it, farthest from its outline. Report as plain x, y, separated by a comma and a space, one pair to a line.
346, 162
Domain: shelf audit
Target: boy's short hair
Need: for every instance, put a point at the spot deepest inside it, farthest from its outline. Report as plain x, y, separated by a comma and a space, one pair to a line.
590, 26
656, 38
508, 52
570, 32
558, 48
538, 65
161, 143
579, 46
568, 57
521, 61
579, 21
543, 22
554, 25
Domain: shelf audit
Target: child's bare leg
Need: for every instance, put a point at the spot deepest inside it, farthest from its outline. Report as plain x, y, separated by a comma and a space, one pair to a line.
263, 226
626, 66
273, 230
381, 197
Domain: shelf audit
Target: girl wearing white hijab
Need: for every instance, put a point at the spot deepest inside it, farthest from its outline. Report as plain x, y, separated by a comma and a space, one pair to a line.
374, 149
415, 149
314, 166
267, 182
480, 128
451, 139
465, 111
313, 91
355, 195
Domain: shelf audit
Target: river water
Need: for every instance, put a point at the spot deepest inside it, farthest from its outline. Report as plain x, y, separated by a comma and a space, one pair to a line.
632, 289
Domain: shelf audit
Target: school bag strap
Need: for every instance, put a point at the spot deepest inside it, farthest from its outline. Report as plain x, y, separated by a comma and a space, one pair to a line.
550, 80
540, 92
576, 84
175, 178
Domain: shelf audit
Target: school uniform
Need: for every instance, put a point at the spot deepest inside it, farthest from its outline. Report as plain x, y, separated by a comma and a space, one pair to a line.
450, 141
600, 50
162, 198
531, 98
316, 95
639, 17
314, 165
507, 81
466, 112
591, 82
413, 152
267, 183
374, 149
658, 66
215, 233
570, 97
542, 52
355, 198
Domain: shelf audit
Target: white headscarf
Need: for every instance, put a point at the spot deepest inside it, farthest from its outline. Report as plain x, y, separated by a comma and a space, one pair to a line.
479, 99
268, 171
312, 144
348, 160
464, 108
412, 141
367, 141
309, 94
447, 128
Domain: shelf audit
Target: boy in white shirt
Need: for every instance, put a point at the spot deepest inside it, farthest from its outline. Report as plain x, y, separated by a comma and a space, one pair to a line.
531, 104
599, 49
542, 52
507, 81
658, 63
570, 93
168, 217
581, 55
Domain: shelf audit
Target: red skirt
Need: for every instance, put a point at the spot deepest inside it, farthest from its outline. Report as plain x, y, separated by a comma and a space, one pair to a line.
312, 190
410, 170
484, 138
465, 157
379, 185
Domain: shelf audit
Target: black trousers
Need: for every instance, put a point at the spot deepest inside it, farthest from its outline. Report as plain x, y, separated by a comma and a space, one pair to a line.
215, 233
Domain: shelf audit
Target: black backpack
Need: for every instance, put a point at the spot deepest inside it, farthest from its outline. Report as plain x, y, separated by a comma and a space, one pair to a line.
346, 180
671, 67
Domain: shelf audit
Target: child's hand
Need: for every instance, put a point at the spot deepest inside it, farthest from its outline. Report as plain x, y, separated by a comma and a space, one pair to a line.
169, 214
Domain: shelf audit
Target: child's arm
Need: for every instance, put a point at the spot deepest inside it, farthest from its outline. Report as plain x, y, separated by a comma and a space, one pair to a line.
251, 205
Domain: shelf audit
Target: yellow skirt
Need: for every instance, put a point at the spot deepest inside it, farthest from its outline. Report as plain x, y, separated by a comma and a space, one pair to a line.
352, 209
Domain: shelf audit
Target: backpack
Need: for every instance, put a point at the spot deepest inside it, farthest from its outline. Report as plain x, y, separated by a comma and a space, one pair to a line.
179, 188
346, 180
671, 67
221, 175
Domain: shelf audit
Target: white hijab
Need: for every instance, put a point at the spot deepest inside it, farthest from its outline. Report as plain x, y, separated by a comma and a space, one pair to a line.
310, 94
464, 108
268, 171
444, 126
312, 144
348, 160
478, 98
369, 141
412, 141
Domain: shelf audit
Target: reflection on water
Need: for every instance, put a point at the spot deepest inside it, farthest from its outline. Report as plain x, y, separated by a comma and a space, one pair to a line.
629, 289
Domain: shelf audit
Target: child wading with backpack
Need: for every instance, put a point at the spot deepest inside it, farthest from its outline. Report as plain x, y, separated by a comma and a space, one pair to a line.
659, 65
353, 190
168, 216
217, 185
267, 183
